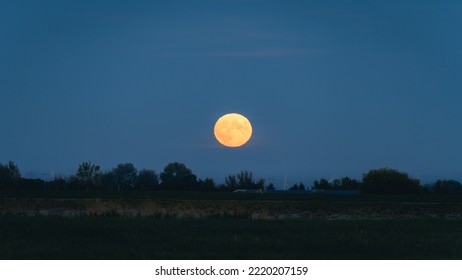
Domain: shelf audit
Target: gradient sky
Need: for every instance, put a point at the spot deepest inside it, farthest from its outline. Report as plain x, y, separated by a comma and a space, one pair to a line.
332, 88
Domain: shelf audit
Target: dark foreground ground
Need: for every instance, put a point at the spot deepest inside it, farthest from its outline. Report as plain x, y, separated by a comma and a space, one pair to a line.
151, 238
170, 226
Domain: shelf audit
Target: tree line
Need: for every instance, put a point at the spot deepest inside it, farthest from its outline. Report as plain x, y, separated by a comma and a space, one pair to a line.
178, 177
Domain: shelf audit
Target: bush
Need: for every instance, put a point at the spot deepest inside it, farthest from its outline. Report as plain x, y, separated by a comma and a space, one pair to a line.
447, 187
389, 181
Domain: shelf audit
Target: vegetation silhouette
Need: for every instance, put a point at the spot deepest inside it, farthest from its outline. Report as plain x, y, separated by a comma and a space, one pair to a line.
147, 180
389, 181
88, 175
299, 187
10, 176
243, 180
447, 187
176, 215
177, 176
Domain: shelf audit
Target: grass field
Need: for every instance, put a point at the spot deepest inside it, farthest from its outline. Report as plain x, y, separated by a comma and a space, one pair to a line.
184, 195
150, 238
228, 226
231, 205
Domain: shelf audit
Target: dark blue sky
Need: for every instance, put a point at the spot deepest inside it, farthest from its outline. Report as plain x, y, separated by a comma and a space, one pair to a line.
332, 88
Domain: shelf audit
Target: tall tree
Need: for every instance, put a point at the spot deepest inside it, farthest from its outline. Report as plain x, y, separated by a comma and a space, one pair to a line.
270, 187
147, 180
243, 180
447, 187
231, 182
13, 171
299, 187
350, 184
88, 174
389, 181
322, 184
10, 176
176, 176
208, 184
125, 176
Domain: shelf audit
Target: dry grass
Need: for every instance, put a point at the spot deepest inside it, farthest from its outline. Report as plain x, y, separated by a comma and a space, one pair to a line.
245, 209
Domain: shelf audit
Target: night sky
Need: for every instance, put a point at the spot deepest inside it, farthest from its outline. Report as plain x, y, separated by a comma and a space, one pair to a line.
332, 88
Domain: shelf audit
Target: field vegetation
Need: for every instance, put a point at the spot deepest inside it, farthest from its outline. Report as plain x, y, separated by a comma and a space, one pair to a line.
120, 237
129, 214
195, 225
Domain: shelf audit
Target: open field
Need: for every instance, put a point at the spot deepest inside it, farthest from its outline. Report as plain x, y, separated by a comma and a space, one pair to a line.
149, 238
164, 225
184, 195
231, 205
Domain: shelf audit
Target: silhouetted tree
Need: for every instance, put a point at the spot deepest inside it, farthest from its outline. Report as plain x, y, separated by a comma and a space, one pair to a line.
349, 184
147, 180
108, 180
243, 180
389, 181
336, 184
260, 184
10, 176
447, 187
344, 183
176, 176
299, 187
88, 175
125, 176
322, 184
57, 184
207, 184
231, 182
270, 187
74, 184
31, 184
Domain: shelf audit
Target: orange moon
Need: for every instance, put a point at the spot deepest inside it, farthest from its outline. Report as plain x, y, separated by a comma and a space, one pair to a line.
233, 130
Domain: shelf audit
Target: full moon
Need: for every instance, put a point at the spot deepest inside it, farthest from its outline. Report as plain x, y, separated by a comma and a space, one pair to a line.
233, 130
